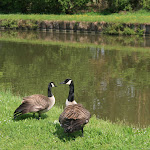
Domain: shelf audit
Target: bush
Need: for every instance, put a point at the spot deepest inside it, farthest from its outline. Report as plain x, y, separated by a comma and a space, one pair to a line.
118, 5
146, 4
120, 29
71, 6
66, 6
45, 6
42, 6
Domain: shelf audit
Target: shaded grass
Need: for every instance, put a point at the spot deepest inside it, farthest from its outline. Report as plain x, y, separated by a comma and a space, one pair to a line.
135, 17
29, 133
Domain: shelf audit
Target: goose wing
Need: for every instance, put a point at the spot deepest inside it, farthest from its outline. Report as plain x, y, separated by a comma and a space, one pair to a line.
74, 118
36, 102
76, 111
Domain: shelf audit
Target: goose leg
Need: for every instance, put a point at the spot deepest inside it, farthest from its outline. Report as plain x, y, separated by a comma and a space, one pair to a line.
39, 116
82, 132
34, 115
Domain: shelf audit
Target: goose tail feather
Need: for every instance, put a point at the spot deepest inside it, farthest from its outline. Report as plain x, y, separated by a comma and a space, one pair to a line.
73, 125
22, 109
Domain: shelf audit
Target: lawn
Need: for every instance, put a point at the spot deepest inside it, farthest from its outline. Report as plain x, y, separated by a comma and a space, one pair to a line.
28, 133
134, 17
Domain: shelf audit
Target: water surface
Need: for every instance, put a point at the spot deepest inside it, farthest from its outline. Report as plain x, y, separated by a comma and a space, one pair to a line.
111, 73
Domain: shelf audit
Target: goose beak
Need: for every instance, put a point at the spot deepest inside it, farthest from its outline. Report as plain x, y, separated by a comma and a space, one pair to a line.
62, 82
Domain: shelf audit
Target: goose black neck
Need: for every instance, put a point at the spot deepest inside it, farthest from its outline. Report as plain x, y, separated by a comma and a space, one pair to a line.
71, 92
49, 92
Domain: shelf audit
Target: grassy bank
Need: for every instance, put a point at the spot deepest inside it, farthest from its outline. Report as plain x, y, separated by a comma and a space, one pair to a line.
29, 133
125, 23
136, 17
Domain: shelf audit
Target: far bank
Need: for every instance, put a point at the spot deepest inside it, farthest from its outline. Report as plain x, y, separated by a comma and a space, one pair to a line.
122, 24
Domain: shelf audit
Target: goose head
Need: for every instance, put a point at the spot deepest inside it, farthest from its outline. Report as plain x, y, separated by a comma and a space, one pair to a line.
67, 81
52, 84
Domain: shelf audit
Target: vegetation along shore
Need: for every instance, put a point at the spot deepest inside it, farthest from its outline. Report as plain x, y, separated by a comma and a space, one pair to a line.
27, 132
117, 23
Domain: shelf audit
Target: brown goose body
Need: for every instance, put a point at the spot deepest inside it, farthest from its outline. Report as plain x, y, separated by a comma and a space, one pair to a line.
74, 117
35, 104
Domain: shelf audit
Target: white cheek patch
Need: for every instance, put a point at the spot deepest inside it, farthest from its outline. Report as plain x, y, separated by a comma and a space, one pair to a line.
69, 82
52, 85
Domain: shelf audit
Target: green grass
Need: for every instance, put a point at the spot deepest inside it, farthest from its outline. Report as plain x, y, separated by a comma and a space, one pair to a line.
136, 17
28, 133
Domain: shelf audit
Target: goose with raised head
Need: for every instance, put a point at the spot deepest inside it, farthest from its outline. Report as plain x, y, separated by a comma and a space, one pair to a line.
36, 103
74, 116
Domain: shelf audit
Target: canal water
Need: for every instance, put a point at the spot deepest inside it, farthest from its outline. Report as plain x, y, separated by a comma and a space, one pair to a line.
111, 73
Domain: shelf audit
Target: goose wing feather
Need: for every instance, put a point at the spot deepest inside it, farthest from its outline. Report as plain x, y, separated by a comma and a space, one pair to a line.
76, 111
38, 102
33, 103
74, 117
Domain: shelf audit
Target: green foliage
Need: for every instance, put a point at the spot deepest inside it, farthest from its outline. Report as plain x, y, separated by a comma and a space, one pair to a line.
30, 6
45, 6
42, 6
14, 6
117, 5
13, 24
67, 6
127, 5
128, 31
122, 29
70, 7
10, 23
145, 4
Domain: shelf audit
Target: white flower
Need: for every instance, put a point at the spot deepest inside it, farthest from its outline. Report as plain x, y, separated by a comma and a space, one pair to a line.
56, 121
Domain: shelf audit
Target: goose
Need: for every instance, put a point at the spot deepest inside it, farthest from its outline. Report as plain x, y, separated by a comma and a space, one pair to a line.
74, 116
36, 103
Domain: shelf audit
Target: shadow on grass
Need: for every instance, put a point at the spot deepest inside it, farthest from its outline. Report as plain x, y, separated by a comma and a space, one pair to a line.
65, 136
25, 116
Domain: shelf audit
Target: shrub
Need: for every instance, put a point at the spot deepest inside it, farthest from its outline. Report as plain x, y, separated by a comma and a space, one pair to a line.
120, 29
146, 4
70, 6
42, 6
45, 6
117, 5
